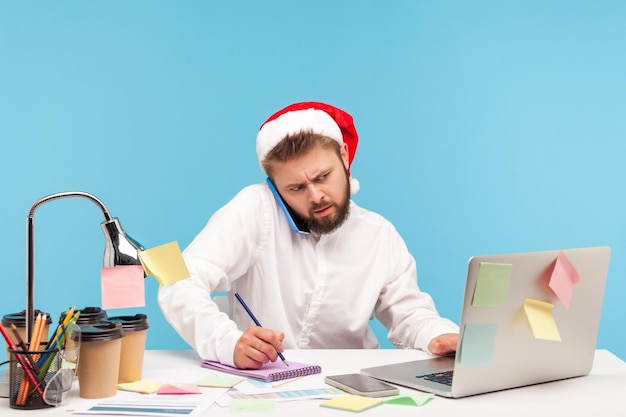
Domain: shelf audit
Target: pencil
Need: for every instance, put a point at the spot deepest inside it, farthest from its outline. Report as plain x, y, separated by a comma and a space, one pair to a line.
57, 333
57, 344
30, 373
33, 346
243, 304
22, 345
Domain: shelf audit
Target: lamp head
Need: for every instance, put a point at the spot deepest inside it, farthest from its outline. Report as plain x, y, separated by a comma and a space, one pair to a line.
119, 248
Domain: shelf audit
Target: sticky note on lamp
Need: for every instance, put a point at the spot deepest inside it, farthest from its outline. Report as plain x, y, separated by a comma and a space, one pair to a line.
539, 314
564, 277
122, 286
492, 284
165, 263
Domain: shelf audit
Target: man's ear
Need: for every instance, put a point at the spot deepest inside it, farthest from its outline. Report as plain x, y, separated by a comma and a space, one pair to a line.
344, 155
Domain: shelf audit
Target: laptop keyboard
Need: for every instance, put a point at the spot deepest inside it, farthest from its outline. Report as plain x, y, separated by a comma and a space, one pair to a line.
439, 377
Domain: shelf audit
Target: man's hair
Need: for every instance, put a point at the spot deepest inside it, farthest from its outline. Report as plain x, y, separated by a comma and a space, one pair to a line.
297, 144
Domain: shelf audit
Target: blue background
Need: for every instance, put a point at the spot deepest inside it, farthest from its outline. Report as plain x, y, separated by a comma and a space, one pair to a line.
485, 127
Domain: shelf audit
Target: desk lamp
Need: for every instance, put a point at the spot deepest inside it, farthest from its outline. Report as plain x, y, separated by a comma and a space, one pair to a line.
119, 248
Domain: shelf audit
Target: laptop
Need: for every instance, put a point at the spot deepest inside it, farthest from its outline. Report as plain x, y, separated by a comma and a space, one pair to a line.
527, 318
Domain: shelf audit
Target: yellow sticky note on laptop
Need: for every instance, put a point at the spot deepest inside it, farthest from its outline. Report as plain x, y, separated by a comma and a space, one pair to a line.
541, 320
352, 402
165, 263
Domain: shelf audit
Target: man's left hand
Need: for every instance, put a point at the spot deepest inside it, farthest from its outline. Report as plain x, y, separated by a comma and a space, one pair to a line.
444, 344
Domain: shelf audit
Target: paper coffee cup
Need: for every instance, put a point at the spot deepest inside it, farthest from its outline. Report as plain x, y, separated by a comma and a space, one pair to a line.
133, 346
99, 361
87, 316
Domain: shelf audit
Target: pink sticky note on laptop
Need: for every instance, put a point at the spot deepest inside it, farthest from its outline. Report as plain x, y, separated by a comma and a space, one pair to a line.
564, 277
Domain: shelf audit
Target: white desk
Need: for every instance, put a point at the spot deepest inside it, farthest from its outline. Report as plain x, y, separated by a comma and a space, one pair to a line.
601, 393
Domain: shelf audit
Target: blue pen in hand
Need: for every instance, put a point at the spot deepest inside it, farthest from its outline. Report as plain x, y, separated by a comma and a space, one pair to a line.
256, 322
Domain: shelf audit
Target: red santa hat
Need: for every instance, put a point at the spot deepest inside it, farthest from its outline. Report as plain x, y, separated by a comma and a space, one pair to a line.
313, 116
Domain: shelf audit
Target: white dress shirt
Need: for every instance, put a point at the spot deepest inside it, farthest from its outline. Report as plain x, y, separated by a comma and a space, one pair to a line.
320, 291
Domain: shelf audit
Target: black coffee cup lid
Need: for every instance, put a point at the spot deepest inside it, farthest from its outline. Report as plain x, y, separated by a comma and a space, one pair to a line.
101, 332
19, 319
88, 315
130, 323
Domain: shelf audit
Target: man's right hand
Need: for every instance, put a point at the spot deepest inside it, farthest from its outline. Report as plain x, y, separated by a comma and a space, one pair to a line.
256, 346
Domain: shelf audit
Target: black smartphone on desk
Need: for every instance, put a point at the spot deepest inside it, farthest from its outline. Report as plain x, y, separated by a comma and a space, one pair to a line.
360, 384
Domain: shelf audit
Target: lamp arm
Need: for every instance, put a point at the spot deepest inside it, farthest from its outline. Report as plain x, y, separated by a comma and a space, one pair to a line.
30, 248
91, 197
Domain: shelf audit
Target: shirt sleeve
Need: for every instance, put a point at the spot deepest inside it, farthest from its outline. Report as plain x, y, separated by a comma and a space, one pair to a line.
408, 313
222, 251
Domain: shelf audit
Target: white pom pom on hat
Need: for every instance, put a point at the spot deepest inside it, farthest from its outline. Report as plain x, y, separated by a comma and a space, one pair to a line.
313, 116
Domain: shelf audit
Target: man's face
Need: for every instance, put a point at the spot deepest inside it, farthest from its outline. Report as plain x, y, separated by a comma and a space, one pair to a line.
316, 187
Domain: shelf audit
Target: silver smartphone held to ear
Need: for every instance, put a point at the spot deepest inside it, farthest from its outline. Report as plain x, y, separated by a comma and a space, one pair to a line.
360, 384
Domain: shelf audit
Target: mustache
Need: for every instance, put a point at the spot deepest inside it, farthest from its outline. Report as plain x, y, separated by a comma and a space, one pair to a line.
317, 206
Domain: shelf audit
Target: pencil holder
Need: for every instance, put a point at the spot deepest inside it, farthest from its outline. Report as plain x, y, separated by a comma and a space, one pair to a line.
26, 386
19, 321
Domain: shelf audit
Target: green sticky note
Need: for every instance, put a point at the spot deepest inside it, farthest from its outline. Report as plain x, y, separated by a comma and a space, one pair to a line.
414, 400
218, 381
492, 284
241, 404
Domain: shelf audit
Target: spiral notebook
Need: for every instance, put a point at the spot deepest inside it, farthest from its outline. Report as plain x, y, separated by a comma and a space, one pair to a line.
270, 372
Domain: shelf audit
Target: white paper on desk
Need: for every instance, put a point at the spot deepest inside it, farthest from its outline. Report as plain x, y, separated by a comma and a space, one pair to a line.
132, 404
251, 386
311, 394
295, 389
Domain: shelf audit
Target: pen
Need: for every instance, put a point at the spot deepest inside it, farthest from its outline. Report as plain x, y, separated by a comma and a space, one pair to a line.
256, 322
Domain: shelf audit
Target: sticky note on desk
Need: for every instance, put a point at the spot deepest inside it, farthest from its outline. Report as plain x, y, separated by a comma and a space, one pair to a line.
251, 404
171, 389
165, 263
351, 402
218, 381
413, 400
143, 386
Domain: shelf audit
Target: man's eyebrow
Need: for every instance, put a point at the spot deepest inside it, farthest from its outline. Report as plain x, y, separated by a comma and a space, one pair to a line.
293, 185
323, 173
320, 173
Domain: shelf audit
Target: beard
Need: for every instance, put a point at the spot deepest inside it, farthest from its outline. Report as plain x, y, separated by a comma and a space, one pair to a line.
328, 224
